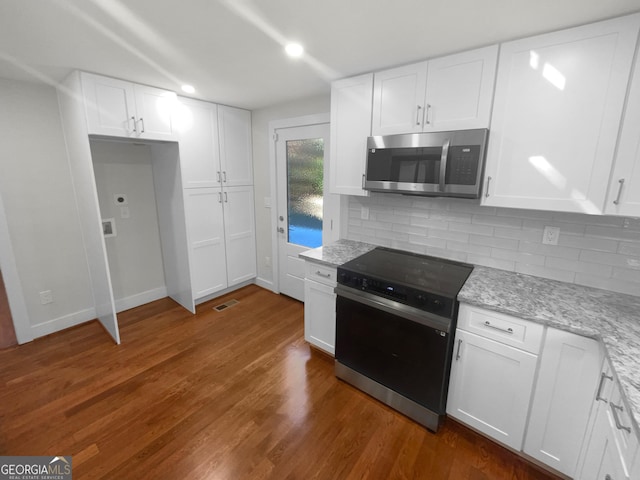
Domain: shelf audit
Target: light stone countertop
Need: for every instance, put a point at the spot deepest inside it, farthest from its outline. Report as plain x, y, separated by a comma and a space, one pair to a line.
609, 317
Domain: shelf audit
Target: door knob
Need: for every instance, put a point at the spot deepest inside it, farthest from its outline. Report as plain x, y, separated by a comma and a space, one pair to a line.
281, 218
280, 230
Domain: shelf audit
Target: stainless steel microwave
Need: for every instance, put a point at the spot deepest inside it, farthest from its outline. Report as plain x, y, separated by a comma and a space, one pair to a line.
444, 164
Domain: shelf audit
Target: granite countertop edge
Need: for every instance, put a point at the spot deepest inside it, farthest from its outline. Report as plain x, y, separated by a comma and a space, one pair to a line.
612, 319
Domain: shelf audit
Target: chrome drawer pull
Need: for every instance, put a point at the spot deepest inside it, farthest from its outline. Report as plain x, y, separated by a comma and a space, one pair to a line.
619, 426
617, 200
325, 275
599, 397
509, 330
458, 352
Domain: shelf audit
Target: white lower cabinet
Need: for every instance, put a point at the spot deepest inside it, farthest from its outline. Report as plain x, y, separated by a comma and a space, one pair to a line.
567, 378
611, 446
491, 380
320, 306
221, 232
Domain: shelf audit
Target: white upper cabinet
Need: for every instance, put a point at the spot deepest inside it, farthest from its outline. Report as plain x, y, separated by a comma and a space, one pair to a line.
123, 109
624, 190
349, 128
234, 128
447, 93
197, 124
557, 109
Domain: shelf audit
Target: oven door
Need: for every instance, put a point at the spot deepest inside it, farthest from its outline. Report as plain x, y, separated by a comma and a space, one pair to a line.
400, 347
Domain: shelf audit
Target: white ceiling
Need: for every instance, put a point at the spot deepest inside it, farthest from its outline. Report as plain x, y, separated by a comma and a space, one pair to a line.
231, 50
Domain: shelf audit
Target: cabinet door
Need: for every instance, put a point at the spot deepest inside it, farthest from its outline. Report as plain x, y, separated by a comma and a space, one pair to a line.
398, 99
624, 190
234, 127
460, 90
109, 105
198, 142
320, 315
490, 387
567, 379
240, 234
155, 108
350, 126
205, 231
556, 114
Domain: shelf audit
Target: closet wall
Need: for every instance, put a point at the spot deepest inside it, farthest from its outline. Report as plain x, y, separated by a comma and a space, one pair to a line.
134, 252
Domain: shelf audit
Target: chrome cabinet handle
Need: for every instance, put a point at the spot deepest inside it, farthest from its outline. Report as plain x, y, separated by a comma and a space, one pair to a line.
614, 410
219, 178
486, 192
219, 197
325, 275
224, 177
426, 115
617, 200
418, 114
603, 376
363, 181
509, 330
226, 199
443, 164
135, 130
142, 123
458, 350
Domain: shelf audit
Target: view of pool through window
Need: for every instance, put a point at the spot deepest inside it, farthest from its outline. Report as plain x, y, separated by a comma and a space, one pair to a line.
304, 196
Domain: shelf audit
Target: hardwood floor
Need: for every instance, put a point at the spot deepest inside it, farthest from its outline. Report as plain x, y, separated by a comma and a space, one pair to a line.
235, 394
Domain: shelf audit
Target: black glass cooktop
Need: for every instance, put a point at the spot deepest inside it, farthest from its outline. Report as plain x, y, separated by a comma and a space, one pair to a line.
398, 268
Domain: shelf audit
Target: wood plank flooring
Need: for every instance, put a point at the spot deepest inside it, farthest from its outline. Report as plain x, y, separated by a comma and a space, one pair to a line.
235, 394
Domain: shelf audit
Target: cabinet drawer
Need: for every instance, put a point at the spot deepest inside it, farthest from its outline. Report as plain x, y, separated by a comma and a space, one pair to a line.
321, 273
622, 428
503, 328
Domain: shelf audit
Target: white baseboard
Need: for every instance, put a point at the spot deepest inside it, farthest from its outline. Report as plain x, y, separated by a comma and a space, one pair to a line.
267, 284
140, 299
60, 323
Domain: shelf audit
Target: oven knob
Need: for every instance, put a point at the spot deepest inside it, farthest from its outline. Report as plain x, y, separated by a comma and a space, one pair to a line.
344, 278
421, 299
437, 304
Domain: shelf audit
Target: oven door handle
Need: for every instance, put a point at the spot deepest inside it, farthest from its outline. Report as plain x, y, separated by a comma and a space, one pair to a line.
395, 308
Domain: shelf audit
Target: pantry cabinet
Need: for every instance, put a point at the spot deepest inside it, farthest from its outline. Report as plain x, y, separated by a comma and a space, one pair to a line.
123, 109
320, 306
240, 233
624, 189
493, 372
452, 92
558, 102
567, 379
349, 128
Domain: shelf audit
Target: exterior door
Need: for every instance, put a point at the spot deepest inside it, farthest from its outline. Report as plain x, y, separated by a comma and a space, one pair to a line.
300, 157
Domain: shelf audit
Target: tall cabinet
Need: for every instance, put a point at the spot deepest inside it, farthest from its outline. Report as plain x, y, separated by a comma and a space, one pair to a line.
217, 176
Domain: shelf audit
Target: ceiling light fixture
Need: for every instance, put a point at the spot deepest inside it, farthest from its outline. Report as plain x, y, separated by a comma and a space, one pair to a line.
294, 50
188, 89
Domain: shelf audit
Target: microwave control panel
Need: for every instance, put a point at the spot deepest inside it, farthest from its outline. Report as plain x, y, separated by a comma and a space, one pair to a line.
462, 165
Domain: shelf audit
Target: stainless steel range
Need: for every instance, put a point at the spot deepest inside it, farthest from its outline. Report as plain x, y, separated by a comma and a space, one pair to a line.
395, 324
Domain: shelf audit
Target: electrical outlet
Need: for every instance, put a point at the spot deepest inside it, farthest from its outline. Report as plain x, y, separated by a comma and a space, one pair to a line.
364, 213
550, 235
46, 297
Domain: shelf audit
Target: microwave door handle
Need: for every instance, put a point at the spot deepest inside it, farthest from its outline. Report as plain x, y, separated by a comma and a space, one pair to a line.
443, 163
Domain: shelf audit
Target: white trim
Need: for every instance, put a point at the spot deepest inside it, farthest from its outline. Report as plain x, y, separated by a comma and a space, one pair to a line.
266, 284
274, 125
224, 291
140, 299
60, 323
12, 283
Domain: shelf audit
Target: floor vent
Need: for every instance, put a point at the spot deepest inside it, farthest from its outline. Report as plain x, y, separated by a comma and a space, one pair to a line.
225, 305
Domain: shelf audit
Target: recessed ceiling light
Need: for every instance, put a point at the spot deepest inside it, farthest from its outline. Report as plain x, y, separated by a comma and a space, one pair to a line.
294, 50
188, 89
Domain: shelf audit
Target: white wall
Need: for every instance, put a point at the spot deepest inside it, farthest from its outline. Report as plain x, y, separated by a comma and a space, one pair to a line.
599, 251
41, 212
135, 256
261, 144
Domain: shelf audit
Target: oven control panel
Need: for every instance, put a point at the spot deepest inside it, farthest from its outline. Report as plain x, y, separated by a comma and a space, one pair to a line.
426, 301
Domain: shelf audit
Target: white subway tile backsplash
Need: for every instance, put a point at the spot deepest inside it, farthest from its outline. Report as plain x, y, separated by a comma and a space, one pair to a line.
549, 250
603, 252
546, 272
